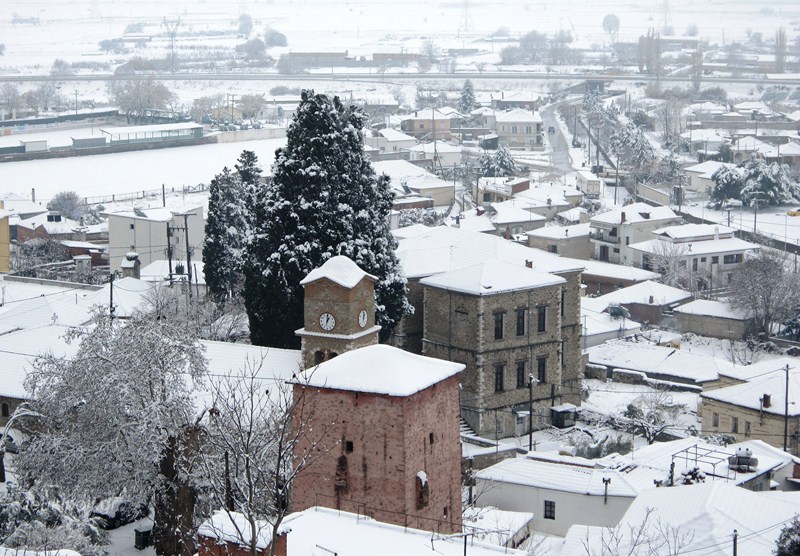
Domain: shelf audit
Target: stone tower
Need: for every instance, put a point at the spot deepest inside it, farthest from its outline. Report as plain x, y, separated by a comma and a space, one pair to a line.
339, 311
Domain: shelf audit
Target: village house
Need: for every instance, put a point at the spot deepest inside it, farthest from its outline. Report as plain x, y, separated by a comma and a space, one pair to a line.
389, 140
412, 184
601, 278
613, 231
700, 175
155, 233
567, 241
386, 420
496, 190
436, 155
646, 301
717, 319
700, 519
427, 125
508, 100
766, 407
708, 254
520, 129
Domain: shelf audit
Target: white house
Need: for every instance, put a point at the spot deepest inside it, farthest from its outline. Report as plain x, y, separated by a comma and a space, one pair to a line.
155, 233
562, 493
700, 175
613, 231
389, 140
709, 253
519, 128
407, 178
440, 153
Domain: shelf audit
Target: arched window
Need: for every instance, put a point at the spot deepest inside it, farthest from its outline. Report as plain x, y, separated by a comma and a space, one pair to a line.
5, 410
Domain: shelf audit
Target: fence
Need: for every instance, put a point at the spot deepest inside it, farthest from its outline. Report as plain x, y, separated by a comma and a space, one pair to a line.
143, 194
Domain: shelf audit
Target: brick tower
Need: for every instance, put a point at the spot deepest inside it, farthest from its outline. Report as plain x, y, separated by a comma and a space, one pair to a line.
339, 311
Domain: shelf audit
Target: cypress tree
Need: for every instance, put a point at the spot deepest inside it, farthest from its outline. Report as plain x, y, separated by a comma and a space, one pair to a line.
227, 225
324, 199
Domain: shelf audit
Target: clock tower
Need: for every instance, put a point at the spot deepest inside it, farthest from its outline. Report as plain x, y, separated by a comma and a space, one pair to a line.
339, 311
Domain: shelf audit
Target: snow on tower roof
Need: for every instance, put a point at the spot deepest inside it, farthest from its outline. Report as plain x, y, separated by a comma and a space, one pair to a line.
491, 278
339, 269
380, 369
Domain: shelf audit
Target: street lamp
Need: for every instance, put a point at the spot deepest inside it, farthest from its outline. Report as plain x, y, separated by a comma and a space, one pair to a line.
531, 382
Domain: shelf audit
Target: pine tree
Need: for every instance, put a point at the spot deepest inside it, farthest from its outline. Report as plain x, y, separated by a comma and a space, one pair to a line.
767, 183
467, 103
789, 540
728, 183
226, 225
500, 164
324, 199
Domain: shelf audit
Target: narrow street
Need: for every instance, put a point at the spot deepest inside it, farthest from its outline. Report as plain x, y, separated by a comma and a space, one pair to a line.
558, 143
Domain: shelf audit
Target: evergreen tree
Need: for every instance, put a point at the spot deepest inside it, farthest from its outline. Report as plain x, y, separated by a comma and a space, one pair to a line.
500, 164
467, 103
226, 225
789, 540
767, 183
728, 183
324, 199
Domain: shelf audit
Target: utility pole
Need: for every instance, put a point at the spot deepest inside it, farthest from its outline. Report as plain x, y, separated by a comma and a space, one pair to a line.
735, 542
111, 299
169, 252
76, 102
786, 410
188, 250
172, 30
531, 382
606, 482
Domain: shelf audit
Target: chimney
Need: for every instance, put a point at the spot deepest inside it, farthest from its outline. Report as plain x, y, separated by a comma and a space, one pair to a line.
479, 211
766, 400
528, 263
622, 218
83, 263
33, 194
131, 266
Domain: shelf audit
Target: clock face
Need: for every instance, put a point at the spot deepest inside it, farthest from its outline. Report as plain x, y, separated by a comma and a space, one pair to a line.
362, 319
326, 321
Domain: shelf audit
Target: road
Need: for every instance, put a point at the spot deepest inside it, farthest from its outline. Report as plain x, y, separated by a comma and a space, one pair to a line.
390, 77
558, 143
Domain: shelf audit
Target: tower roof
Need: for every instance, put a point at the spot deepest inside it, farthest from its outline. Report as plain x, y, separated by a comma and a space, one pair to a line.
339, 269
380, 369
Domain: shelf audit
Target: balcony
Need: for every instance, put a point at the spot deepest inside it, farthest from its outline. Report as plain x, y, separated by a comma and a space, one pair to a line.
605, 238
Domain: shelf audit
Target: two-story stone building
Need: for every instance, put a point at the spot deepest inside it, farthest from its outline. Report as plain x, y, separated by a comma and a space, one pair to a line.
442, 331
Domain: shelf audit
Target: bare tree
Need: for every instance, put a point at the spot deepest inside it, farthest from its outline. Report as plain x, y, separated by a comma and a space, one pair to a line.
647, 537
135, 97
649, 415
670, 260
10, 100
255, 424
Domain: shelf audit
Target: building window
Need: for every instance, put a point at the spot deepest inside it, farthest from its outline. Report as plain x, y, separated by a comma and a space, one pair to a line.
521, 374
702, 259
4, 410
734, 424
715, 419
694, 265
348, 446
715, 260
616, 250
498, 377
563, 299
431, 438
627, 240
747, 428
554, 248
541, 318
549, 509
514, 129
528, 130
520, 322
731, 259
541, 369
133, 226
498, 325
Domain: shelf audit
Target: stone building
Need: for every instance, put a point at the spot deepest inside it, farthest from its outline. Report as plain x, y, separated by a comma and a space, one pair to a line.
503, 321
385, 422
428, 252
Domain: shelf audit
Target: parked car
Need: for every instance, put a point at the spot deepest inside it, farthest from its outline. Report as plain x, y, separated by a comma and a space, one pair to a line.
551, 130
9, 444
794, 212
112, 513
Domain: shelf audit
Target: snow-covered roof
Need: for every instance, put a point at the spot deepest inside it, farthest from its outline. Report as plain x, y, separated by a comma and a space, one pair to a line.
391, 134
689, 249
61, 226
20, 205
154, 128
557, 194
749, 394
357, 535
431, 114
471, 221
618, 271
711, 308
512, 211
760, 368
436, 147
704, 515
234, 527
751, 144
21, 348
595, 323
518, 115
158, 271
636, 212
229, 359
402, 172
380, 369
158, 214
565, 478
492, 278
658, 361
685, 231
339, 269
708, 167
426, 251
493, 525
647, 292
562, 232
703, 135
